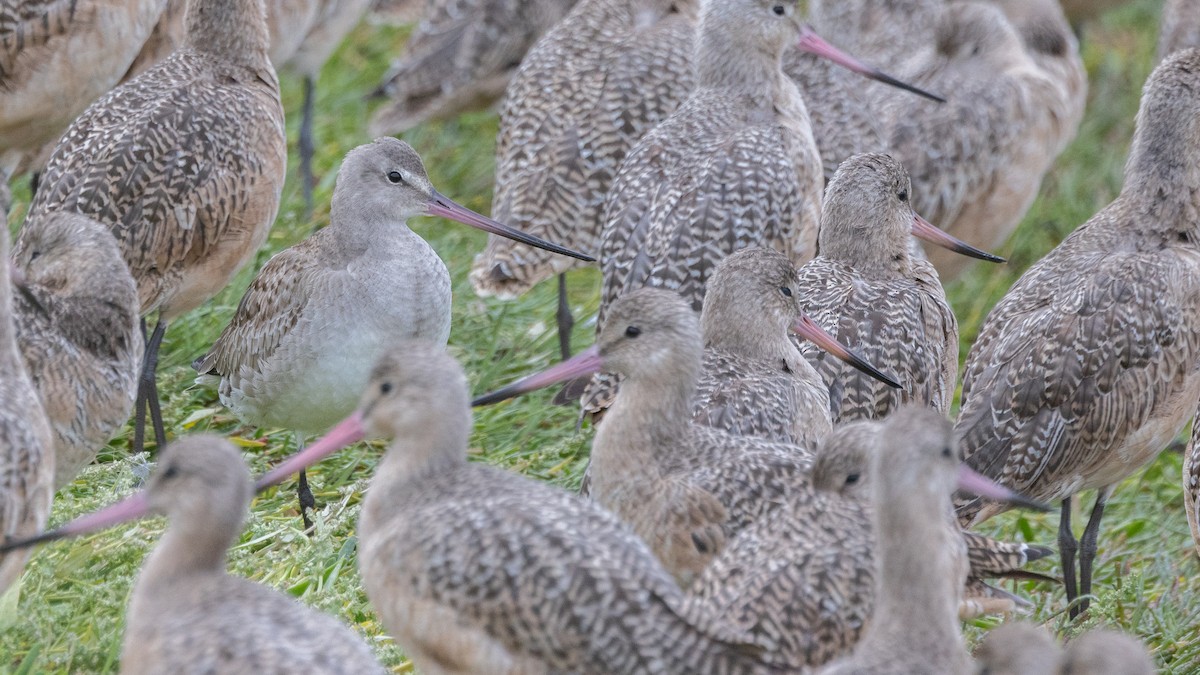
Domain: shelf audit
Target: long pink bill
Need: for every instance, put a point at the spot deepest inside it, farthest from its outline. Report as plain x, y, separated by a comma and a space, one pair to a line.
808, 329
815, 44
348, 431
926, 231
978, 484
130, 508
584, 363
444, 207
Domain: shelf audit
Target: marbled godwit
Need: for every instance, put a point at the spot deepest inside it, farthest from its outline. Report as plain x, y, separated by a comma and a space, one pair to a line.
683, 487
977, 160
186, 614
586, 92
920, 564
753, 380
1089, 366
1106, 652
1018, 648
474, 569
1180, 27
866, 290
77, 325
57, 57
26, 444
843, 465
461, 57
184, 164
298, 351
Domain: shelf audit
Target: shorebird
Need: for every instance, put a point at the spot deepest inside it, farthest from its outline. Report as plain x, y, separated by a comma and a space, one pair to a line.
300, 347
1107, 652
1180, 27
753, 379
867, 290
26, 444
460, 57
185, 164
885, 31
1090, 365
77, 328
920, 564
55, 59
1191, 481
163, 40
477, 570
805, 573
186, 613
1018, 648
977, 160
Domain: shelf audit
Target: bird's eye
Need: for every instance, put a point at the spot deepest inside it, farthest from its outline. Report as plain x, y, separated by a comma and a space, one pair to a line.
852, 479
779, 10
902, 195
385, 388
170, 472
33, 255
395, 177
947, 452
632, 332
787, 292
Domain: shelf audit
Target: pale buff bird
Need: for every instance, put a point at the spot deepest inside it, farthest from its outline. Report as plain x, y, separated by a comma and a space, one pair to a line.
1090, 365
187, 615
77, 327
473, 569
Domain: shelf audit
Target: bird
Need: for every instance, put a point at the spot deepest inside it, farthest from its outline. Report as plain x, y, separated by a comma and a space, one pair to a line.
1191, 481
460, 57
475, 569
805, 573
186, 613
867, 290
884, 31
185, 164
919, 557
76, 316
56, 58
753, 379
26, 444
1018, 648
1107, 652
300, 346
977, 160
396, 12
1088, 367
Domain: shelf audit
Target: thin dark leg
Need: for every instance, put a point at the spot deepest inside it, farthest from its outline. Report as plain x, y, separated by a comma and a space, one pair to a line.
565, 320
1067, 546
306, 146
1087, 547
307, 500
147, 394
35, 179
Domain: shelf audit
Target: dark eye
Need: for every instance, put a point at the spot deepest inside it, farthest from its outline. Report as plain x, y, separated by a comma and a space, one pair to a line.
170, 472
947, 452
632, 332
395, 177
385, 388
787, 292
903, 195
34, 255
778, 9
852, 479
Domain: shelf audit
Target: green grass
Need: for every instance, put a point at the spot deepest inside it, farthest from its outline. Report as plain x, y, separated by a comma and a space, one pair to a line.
73, 597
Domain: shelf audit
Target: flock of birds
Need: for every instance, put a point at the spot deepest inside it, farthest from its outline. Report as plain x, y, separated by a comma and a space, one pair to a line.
774, 484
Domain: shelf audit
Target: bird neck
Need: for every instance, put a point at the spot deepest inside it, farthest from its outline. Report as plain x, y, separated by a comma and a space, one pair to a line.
1164, 180
724, 62
231, 30
10, 357
652, 409
193, 546
920, 570
410, 461
740, 328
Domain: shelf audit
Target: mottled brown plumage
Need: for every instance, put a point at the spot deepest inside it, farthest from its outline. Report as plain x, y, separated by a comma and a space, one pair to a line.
1191, 482
56, 57
919, 562
586, 92
753, 380
866, 290
978, 159
1090, 365
460, 57
77, 325
26, 444
184, 163
477, 570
